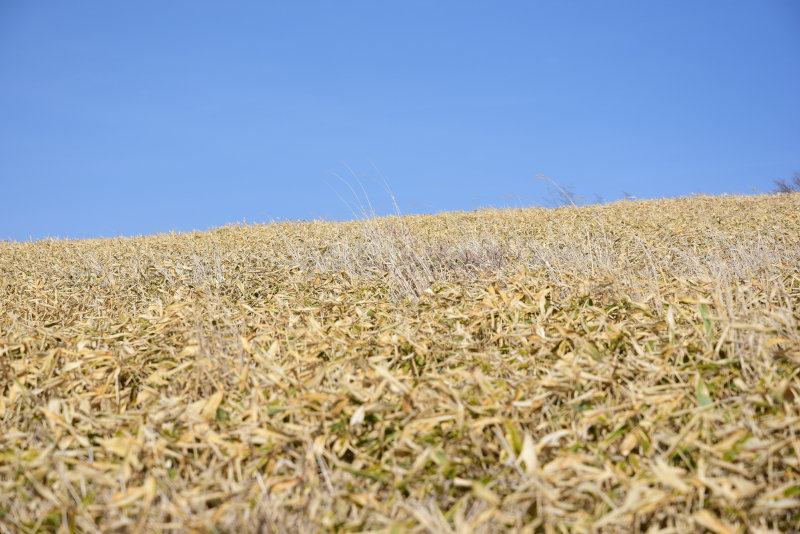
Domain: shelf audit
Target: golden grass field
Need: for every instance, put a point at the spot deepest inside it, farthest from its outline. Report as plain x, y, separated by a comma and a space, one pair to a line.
628, 367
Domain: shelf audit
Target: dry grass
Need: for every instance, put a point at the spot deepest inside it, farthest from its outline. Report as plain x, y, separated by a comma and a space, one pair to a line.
628, 367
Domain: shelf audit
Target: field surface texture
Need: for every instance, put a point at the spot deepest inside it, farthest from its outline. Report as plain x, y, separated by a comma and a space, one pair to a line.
609, 368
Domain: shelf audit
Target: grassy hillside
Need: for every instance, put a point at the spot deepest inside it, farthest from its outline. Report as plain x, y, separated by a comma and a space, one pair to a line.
632, 366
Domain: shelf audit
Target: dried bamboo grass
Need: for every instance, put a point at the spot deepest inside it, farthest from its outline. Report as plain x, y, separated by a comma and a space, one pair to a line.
611, 368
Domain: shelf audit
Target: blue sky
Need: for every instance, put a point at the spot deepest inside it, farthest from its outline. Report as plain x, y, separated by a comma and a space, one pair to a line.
141, 117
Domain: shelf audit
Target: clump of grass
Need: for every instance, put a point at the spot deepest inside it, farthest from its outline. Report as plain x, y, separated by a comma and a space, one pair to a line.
619, 367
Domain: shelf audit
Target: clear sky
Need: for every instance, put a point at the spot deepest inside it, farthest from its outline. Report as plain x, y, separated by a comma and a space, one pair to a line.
140, 117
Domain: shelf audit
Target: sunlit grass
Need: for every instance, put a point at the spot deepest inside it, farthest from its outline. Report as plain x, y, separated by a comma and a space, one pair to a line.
610, 367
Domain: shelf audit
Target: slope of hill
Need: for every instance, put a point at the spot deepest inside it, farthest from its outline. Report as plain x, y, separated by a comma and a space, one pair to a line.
632, 366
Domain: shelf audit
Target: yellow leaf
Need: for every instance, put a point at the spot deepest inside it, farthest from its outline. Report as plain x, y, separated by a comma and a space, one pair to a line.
528, 455
122, 498
283, 485
669, 476
13, 392
209, 411
706, 519
189, 350
122, 446
157, 379
146, 491
775, 341
50, 415
485, 493
197, 406
628, 444
358, 415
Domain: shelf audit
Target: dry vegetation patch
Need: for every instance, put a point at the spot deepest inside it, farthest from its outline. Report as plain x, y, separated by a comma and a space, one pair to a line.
632, 366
